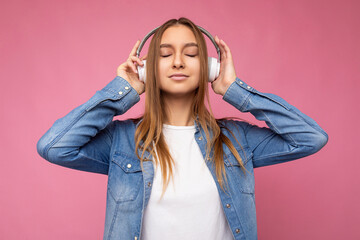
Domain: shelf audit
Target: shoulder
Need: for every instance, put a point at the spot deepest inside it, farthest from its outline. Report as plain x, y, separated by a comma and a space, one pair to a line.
232, 124
131, 121
125, 125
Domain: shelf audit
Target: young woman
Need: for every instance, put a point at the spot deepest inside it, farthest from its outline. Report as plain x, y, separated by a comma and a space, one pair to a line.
209, 162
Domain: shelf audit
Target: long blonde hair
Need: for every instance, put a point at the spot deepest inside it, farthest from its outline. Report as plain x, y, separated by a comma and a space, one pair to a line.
149, 130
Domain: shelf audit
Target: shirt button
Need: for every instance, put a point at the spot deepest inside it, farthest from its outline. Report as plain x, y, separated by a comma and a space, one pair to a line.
129, 165
120, 92
241, 82
149, 184
237, 230
228, 205
200, 138
126, 87
248, 87
135, 238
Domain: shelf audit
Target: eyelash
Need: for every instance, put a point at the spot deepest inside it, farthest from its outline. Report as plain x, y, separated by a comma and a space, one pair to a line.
186, 55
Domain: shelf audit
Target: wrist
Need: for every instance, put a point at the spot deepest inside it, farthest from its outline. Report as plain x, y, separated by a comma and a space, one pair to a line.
136, 87
226, 85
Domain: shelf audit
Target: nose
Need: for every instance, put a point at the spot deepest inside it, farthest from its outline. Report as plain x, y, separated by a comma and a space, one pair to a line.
178, 61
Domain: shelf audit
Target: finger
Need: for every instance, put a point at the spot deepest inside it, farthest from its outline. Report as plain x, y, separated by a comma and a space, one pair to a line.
223, 47
133, 51
132, 65
217, 41
134, 58
222, 50
227, 49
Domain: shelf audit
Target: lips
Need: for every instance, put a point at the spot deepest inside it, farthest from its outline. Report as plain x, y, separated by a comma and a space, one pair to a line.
178, 75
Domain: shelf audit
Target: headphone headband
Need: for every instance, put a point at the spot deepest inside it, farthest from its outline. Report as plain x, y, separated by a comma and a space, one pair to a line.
201, 29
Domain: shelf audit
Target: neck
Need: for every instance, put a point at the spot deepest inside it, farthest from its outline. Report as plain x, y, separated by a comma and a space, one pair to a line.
178, 110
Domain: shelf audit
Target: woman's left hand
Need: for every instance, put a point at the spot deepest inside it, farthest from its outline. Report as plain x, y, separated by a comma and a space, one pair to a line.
227, 73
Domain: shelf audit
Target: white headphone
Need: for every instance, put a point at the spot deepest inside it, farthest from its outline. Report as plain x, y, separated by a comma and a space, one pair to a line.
213, 63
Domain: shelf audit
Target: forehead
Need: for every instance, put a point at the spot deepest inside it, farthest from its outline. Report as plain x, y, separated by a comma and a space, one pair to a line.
178, 36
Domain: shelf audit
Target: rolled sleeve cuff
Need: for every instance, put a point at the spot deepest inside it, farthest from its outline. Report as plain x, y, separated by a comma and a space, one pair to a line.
119, 87
238, 94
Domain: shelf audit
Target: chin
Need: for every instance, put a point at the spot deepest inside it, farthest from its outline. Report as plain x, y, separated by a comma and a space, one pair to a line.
178, 91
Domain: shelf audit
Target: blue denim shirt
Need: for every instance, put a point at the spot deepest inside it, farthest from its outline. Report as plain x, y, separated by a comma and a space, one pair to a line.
88, 139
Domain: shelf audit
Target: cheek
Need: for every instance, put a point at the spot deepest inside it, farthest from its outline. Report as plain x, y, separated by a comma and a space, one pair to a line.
196, 68
163, 68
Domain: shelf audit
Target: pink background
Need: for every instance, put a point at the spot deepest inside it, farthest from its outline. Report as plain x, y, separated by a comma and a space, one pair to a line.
56, 54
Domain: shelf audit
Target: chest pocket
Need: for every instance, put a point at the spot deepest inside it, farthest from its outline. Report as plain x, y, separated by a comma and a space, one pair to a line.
125, 177
244, 182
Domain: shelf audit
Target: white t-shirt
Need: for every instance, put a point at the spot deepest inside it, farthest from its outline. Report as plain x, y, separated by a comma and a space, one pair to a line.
191, 206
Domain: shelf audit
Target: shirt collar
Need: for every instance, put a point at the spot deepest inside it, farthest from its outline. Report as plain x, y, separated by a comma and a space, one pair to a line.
197, 127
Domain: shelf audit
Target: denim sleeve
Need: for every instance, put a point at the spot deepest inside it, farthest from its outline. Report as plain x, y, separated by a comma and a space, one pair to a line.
82, 139
291, 133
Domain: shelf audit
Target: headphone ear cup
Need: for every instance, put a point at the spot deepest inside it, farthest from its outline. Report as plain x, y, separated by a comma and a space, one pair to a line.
214, 68
142, 71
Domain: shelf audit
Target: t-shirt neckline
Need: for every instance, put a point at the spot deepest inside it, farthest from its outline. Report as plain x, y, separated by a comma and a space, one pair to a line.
167, 126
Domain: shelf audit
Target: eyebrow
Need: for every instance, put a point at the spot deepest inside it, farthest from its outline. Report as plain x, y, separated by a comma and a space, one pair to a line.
167, 45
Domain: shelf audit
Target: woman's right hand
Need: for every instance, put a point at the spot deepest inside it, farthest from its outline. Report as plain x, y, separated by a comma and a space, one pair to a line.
128, 70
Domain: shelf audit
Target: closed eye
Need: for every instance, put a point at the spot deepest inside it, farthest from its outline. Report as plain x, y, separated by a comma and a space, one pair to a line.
186, 55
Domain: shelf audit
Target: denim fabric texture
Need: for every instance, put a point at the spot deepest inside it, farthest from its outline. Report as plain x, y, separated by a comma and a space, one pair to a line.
88, 139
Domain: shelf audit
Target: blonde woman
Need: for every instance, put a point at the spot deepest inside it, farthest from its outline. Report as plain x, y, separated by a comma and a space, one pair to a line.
176, 172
